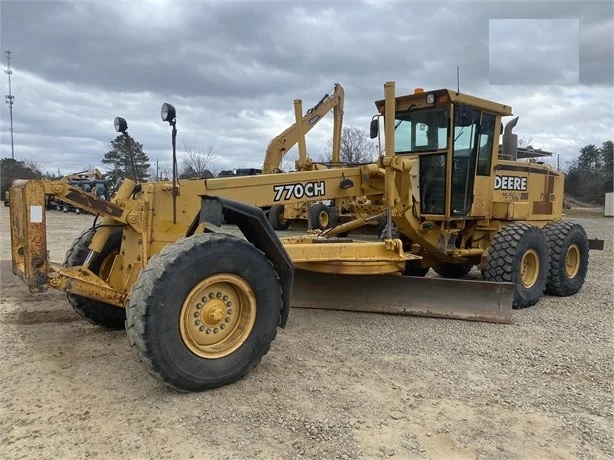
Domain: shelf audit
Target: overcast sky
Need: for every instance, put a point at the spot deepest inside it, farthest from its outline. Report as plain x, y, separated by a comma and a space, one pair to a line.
233, 68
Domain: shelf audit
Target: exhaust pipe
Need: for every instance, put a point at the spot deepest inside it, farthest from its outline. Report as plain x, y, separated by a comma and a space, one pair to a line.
510, 140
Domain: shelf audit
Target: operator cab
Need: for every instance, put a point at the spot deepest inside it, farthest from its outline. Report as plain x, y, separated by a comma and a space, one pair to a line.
453, 135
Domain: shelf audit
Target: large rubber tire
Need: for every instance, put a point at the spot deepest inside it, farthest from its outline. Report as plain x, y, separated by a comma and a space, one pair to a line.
167, 325
96, 312
276, 218
568, 248
322, 216
414, 268
449, 270
519, 254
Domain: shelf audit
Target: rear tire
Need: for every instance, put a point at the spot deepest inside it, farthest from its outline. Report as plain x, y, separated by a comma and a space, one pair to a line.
211, 328
276, 218
322, 216
568, 249
449, 270
96, 312
519, 255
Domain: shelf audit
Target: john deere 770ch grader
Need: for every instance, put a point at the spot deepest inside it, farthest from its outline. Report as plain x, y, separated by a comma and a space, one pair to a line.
201, 307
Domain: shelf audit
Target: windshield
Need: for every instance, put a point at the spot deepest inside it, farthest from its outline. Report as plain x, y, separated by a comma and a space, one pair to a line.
424, 130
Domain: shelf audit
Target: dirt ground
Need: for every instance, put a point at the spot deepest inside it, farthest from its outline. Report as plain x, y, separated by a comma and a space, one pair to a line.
334, 385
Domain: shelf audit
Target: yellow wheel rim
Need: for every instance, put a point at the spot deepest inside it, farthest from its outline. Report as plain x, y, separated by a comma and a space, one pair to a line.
529, 268
107, 264
217, 316
572, 260
323, 219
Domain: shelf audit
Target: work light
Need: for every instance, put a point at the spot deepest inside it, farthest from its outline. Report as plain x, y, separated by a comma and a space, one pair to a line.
167, 112
430, 98
121, 125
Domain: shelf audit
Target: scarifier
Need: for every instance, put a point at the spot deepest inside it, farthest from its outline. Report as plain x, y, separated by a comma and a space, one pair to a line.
201, 308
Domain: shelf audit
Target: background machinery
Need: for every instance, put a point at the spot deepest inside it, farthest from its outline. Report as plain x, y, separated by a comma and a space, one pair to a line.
202, 307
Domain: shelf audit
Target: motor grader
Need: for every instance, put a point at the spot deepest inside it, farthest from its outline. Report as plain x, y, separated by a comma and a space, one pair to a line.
202, 307
318, 215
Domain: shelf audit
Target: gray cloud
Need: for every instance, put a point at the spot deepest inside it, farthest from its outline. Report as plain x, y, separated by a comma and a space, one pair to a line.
232, 69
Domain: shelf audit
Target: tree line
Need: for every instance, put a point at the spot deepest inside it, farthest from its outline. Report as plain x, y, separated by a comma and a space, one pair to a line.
589, 177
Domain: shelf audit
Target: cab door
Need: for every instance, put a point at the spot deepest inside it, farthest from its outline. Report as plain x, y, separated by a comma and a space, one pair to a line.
473, 134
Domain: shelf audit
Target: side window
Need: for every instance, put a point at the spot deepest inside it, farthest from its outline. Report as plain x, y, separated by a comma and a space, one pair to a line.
402, 136
487, 134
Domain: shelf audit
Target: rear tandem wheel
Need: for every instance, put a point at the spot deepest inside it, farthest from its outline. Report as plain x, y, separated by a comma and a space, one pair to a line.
568, 247
519, 255
204, 311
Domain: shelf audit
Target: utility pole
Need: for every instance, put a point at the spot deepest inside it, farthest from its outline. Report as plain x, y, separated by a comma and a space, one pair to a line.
10, 98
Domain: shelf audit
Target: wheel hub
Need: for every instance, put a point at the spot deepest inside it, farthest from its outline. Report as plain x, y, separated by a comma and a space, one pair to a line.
572, 260
529, 268
323, 219
217, 316
214, 313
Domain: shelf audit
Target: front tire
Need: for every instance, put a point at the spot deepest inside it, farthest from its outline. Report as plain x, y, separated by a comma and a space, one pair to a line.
322, 216
211, 328
415, 268
568, 248
449, 270
276, 218
96, 312
519, 254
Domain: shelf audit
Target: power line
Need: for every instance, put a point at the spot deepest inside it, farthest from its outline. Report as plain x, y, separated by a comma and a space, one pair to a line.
10, 98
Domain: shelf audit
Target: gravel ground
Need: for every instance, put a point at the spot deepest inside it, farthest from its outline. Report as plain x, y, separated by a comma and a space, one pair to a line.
334, 385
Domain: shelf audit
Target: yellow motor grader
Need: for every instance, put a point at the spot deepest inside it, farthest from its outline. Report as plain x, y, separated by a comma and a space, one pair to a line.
202, 307
319, 216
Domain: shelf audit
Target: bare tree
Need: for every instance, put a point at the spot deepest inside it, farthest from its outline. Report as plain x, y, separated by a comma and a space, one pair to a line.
356, 147
198, 163
525, 143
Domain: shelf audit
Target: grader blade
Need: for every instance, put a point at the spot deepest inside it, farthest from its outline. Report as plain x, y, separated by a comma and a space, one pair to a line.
404, 295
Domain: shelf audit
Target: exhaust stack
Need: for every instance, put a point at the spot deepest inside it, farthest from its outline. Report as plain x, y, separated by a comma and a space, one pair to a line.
510, 140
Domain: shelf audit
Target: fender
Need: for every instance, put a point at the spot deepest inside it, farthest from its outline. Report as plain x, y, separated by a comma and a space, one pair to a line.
257, 230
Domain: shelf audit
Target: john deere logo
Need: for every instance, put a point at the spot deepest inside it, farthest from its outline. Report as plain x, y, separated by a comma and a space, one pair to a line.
511, 183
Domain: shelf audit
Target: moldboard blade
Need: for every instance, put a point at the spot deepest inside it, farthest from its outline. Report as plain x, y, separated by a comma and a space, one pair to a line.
404, 295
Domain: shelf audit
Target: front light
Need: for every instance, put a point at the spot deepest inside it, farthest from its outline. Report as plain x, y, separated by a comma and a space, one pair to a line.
167, 112
121, 124
430, 98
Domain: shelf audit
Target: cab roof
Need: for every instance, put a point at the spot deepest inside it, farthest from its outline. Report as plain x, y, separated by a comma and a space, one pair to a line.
445, 96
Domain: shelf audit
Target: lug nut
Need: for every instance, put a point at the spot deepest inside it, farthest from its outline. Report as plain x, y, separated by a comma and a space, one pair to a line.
227, 320
208, 331
204, 299
216, 330
197, 322
222, 326
225, 298
219, 295
229, 311
229, 304
196, 314
211, 295
199, 305
201, 328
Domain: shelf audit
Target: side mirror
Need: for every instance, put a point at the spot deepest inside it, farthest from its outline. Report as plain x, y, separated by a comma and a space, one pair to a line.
374, 127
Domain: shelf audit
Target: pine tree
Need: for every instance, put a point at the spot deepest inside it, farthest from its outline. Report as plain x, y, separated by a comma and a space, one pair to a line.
119, 157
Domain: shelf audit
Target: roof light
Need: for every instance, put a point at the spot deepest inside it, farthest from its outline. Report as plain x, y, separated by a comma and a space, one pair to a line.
418, 90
